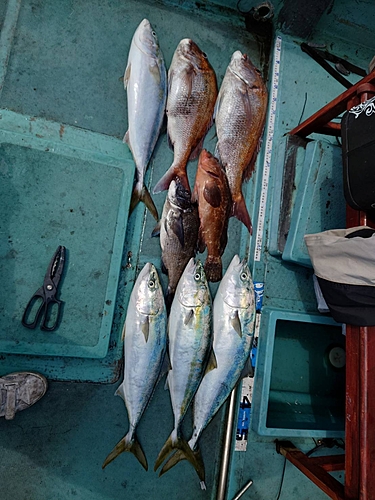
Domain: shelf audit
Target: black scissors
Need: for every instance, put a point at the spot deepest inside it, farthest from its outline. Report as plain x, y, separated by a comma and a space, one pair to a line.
50, 306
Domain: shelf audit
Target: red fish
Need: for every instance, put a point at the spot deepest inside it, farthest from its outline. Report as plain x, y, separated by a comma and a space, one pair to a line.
211, 192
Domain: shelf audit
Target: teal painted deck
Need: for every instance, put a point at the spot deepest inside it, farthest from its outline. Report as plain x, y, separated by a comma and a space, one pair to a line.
60, 67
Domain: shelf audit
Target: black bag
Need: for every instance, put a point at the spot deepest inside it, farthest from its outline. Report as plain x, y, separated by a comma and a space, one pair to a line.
358, 151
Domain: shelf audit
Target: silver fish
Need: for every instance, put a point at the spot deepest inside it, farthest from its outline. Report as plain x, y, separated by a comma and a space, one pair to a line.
145, 81
189, 335
240, 114
233, 323
145, 343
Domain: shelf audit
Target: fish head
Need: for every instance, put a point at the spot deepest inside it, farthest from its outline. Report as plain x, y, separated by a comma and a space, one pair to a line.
242, 67
149, 293
208, 164
145, 39
193, 290
188, 51
237, 286
178, 195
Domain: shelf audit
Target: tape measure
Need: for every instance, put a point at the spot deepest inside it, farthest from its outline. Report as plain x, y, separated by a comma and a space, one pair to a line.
268, 151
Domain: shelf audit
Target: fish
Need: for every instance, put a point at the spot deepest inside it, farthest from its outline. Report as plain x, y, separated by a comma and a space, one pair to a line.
233, 333
192, 93
145, 81
145, 345
178, 228
189, 340
211, 192
240, 114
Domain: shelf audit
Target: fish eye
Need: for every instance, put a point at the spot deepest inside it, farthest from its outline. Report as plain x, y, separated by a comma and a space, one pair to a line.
204, 55
197, 277
151, 284
243, 276
153, 34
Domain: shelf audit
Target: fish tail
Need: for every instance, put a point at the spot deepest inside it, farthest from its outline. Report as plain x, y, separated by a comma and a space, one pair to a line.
127, 444
174, 172
213, 268
184, 452
178, 456
141, 193
239, 211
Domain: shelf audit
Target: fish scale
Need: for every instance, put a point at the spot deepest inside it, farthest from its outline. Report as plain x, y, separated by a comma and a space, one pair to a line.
240, 115
192, 92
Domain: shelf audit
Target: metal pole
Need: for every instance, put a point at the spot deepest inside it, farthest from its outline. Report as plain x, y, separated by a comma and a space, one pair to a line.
224, 467
243, 490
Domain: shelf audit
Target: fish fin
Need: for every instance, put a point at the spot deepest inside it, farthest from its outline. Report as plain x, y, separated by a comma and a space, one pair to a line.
212, 194
170, 143
166, 366
177, 226
123, 333
140, 193
120, 391
146, 327
188, 317
195, 194
190, 74
248, 369
164, 270
127, 445
178, 456
239, 211
212, 362
126, 138
182, 446
155, 72
213, 268
156, 230
197, 150
250, 167
172, 173
127, 75
201, 245
235, 322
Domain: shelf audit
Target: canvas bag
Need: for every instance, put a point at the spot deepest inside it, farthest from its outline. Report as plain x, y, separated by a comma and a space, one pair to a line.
344, 264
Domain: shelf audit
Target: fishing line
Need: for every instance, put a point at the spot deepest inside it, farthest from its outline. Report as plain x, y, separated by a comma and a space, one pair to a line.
282, 479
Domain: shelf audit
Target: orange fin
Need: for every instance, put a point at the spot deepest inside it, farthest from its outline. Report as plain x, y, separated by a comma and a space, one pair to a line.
239, 211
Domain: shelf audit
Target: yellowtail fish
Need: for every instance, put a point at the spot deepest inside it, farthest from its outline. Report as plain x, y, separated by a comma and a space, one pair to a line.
145, 81
233, 324
145, 343
189, 341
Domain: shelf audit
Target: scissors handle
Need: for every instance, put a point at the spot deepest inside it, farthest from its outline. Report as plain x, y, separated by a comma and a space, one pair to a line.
47, 309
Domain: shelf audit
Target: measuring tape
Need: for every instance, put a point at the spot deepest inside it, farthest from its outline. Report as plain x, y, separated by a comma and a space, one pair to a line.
244, 415
268, 153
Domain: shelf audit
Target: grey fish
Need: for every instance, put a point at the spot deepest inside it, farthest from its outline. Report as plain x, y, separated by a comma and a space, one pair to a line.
240, 114
178, 226
189, 340
192, 92
145, 81
233, 325
145, 342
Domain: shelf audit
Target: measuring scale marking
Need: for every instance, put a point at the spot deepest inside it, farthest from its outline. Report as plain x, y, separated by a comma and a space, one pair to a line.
268, 152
